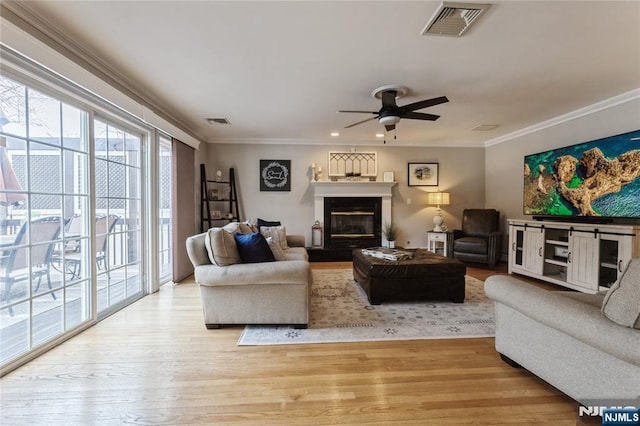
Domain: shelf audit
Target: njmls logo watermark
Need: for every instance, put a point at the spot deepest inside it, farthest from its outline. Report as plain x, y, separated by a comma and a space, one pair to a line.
614, 413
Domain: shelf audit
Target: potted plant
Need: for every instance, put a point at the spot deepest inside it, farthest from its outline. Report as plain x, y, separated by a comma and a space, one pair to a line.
390, 233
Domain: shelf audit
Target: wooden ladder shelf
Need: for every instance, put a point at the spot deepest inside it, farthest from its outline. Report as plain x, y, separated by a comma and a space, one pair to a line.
222, 195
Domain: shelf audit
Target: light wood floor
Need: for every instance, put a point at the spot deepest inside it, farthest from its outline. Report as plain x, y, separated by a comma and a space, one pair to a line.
155, 363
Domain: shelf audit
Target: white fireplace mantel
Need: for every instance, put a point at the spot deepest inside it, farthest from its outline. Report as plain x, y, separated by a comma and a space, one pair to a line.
352, 189
323, 189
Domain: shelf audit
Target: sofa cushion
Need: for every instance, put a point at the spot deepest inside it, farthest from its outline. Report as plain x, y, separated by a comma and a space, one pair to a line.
254, 274
622, 302
296, 253
277, 251
470, 245
221, 247
253, 248
278, 233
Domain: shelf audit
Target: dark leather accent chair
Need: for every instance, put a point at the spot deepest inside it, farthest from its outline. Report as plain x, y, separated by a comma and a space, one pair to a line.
479, 240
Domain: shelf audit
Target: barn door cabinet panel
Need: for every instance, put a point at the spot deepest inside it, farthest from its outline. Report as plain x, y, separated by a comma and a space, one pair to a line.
584, 257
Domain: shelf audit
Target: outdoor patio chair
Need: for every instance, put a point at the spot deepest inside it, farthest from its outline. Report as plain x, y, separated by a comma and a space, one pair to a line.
104, 227
30, 258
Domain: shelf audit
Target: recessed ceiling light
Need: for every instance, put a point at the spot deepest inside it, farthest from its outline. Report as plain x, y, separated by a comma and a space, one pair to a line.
379, 135
335, 134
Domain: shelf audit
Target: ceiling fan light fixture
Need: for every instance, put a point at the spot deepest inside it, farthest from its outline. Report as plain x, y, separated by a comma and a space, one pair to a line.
391, 113
388, 120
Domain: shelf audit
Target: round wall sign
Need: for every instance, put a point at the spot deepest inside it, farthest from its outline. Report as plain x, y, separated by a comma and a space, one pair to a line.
275, 175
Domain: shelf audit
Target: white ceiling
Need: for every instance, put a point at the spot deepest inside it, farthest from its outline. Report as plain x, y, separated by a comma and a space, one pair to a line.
279, 71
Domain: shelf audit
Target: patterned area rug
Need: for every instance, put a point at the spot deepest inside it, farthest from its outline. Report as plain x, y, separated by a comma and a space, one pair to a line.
340, 312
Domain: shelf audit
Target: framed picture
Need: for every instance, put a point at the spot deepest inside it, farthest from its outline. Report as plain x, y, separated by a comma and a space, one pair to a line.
275, 175
213, 193
388, 177
423, 174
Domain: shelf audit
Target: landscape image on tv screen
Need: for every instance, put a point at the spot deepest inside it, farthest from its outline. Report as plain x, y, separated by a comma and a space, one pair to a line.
597, 178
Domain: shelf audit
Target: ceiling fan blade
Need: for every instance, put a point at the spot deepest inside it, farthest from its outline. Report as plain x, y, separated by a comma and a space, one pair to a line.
390, 127
359, 122
389, 98
419, 116
362, 112
424, 104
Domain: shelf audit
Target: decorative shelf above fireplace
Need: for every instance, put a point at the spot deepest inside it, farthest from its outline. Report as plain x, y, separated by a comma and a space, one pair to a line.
353, 165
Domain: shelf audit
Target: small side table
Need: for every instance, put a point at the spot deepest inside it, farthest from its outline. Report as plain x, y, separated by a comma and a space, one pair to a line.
439, 241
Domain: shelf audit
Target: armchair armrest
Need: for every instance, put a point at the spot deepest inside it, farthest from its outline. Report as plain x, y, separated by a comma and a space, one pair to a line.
295, 240
197, 251
457, 233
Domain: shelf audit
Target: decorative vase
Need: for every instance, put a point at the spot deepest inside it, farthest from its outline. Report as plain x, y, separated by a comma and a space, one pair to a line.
392, 244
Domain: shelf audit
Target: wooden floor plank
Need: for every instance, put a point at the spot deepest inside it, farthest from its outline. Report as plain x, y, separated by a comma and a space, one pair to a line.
156, 363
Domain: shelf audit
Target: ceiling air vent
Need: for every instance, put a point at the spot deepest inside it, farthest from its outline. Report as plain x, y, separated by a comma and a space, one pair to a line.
485, 127
453, 19
218, 120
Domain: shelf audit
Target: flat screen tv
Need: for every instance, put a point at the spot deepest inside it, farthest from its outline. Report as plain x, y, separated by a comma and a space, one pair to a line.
591, 180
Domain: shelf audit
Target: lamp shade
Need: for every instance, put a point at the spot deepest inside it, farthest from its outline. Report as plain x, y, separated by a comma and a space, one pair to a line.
438, 198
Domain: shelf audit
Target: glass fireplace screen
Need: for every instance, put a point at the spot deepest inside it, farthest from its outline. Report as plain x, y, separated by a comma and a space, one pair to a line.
352, 224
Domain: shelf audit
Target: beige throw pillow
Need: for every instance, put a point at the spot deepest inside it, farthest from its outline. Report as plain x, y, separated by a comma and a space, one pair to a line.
622, 302
277, 251
241, 227
221, 247
250, 227
278, 233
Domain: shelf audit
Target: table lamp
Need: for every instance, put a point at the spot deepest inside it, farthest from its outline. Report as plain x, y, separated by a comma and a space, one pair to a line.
438, 199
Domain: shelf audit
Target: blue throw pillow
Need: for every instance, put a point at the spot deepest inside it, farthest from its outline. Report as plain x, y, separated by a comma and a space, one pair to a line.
262, 223
253, 248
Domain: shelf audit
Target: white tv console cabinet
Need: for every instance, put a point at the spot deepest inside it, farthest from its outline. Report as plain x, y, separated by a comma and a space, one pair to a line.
584, 257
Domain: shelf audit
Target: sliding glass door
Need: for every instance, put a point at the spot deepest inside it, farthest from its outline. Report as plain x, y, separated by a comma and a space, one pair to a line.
44, 222
118, 189
74, 215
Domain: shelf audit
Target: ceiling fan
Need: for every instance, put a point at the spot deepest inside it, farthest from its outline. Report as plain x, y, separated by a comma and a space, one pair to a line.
390, 113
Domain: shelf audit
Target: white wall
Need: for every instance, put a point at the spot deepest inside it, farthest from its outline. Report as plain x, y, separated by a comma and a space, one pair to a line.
461, 173
504, 162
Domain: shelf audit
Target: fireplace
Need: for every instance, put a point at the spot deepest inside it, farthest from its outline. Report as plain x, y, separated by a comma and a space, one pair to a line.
352, 222
354, 227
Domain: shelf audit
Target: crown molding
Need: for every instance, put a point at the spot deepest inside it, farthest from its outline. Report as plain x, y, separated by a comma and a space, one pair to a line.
23, 16
579, 113
337, 142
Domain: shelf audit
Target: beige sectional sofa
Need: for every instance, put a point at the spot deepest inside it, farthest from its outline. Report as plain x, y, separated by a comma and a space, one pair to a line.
273, 292
569, 339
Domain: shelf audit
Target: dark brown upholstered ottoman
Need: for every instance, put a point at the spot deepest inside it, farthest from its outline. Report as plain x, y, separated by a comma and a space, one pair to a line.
428, 276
